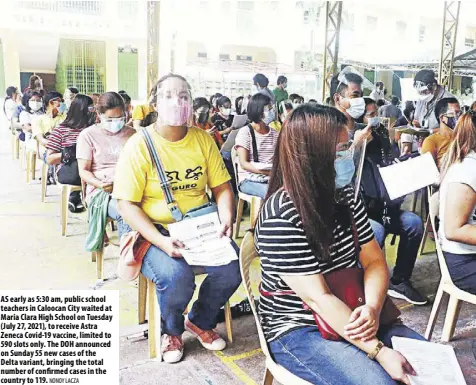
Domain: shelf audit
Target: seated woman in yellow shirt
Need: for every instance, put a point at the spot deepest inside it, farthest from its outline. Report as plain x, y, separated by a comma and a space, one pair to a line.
55, 108
42, 126
192, 162
144, 115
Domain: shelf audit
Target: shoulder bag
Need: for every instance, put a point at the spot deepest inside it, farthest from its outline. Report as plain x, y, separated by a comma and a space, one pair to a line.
133, 246
348, 285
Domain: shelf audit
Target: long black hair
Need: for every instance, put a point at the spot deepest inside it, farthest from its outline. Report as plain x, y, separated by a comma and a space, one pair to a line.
78, 113
304, 166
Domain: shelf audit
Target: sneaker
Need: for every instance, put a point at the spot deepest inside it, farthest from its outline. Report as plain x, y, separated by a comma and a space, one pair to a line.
71, 207
406, 291
209, 339
172, 348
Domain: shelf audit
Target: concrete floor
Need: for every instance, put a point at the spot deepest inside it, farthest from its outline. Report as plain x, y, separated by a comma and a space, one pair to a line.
35, 256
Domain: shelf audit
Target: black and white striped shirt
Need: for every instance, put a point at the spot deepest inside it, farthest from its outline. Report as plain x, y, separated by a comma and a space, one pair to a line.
284, 250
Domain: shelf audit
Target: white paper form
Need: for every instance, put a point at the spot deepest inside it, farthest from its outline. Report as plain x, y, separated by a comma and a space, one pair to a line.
433, 363
203, 245
406, 177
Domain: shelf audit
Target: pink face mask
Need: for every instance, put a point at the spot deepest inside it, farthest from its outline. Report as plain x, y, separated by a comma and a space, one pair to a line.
174, 113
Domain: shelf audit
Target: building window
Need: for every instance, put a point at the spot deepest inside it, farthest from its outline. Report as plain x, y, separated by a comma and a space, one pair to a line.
401, 28
244, 57
91, 7
421, 37
469, 43
224, 56
225, 6
202, 55
246, 5
372, 21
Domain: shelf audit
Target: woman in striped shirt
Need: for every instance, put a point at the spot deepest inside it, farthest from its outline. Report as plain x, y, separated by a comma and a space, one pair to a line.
61, 146
310, 225
253, 170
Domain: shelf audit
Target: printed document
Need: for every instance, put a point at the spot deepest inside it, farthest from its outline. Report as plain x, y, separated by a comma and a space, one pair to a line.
433, 363
203, 245
406, 177
239, 121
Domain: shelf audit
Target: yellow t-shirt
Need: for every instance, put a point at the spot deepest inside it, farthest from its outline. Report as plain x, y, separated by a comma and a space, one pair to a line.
190, 164
141, 111
276, 125
45, 123
437, 145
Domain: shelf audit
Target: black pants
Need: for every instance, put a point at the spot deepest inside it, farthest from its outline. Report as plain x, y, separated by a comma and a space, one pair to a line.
462, 269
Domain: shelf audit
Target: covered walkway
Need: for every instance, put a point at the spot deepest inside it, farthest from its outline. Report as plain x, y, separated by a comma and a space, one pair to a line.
35, 256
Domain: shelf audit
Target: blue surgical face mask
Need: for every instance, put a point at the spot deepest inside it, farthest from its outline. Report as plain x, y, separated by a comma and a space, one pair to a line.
345, 170
269, 116
113, 125
62, 108
373, 122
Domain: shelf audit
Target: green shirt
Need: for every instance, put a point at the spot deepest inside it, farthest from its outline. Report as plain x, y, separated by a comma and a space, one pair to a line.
280, 95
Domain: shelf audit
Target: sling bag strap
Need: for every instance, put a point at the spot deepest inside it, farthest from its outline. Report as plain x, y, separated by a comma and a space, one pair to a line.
164, 183
253, 144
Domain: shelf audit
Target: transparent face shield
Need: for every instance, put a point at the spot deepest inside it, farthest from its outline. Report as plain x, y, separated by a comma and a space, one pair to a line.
174, 103
424, 90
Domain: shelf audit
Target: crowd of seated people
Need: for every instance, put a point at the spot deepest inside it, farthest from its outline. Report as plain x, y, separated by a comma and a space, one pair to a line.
301, 160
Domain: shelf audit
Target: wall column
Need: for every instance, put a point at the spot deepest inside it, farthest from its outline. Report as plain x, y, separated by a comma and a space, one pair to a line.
11, 61
142, 68
112, 70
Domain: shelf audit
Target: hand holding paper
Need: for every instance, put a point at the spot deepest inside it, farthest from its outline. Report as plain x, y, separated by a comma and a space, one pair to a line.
203, 242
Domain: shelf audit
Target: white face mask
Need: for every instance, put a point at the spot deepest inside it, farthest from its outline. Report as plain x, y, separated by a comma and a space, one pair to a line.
35, 106
226, 111
425, 98
357, 107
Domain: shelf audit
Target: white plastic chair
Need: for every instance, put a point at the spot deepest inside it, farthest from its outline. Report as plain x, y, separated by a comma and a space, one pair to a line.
255, 202
446, 286
273, 370
66, 190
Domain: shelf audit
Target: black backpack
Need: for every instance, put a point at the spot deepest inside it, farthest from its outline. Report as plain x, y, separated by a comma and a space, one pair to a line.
379, 205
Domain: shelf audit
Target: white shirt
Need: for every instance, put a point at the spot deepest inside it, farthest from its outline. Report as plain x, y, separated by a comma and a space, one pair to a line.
465, 173
10, 107
377, 95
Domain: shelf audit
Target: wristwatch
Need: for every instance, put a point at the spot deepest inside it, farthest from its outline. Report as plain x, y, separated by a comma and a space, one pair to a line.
376, 351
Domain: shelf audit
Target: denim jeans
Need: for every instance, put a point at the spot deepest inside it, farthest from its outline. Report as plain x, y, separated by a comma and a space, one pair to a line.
306, 354
462, 268
254, 188
410, 230
113, 213
175, 285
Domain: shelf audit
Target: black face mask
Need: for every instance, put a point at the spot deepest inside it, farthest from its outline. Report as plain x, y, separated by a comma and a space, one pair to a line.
202, 117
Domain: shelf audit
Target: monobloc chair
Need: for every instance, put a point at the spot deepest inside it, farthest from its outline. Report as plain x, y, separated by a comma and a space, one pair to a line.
44, 180
15, 146
255, 202
273, 370
147, 294
446, 286
66, 190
